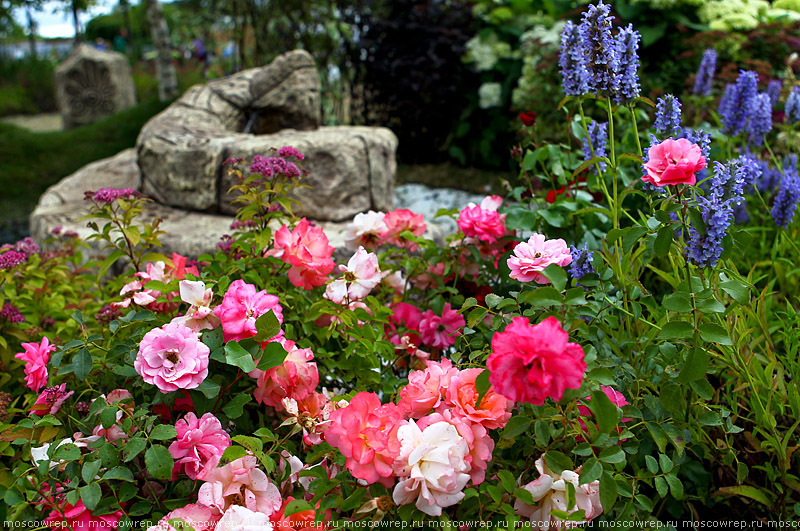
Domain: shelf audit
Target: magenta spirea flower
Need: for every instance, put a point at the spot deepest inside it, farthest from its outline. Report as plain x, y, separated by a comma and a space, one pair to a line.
109, 195
172, 357
241, 306
50, 400
532, 257
11, 259
289, 151
199, 445
440, 331
530, 363
36, 358
11, 314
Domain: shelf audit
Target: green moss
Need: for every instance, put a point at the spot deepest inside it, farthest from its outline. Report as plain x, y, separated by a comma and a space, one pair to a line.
30, 162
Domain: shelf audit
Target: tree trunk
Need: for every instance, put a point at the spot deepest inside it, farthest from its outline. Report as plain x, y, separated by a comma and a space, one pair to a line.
165, 70
76, 22
31, 31
126, 17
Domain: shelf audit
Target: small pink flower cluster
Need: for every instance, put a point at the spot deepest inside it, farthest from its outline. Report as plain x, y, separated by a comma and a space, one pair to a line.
137, 293
307, 250
530, 363
433, 458
372, 229
109, 195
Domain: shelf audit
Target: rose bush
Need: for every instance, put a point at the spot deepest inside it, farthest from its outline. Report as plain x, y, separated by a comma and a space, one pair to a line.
479, 380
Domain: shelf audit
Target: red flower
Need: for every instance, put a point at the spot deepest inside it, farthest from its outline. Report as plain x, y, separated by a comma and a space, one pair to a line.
528, 118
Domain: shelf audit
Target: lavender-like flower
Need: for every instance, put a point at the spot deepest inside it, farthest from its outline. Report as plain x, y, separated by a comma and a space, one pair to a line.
596, 142
705, 74
760, 121
774, 90
735, 105
785, 204
581, 261
792, 109
769, 179
751, 169
599, 49
571, 62
628, 64
702, 139
668, 115
716, 210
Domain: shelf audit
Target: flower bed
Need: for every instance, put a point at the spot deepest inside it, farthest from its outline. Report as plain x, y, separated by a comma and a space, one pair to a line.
632, 358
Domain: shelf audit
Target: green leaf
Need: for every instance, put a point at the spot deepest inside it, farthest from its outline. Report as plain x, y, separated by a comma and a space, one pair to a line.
493, 300
661, 486
556, 275
475, 316
209, 388
251, 443
675, 330
652, 464
737, 290
90, 495
233, 409
557, 461
714, 334
695, 367
120, 473
592, 469
612, 454
90, 470
267, 326
163, 432
237, 356
606, 413
677, 302
516, 426
469, 303
274, 354
82, 363
159, 462
665, 462
108, 417
482, 385
507, 480
232, 453
67, 452
546, 296
657, 432
747, 491
675, 486
296, 506
608, 492
132, 448
663, 241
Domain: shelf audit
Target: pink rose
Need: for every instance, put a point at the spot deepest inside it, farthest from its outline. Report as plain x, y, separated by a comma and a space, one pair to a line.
36, 358
240, 308
399, 221
200, 316
196, 515
199, 445
49, 402
306, 248
483, 221
365, 230
440, 332
494, 410
296, 377
406, 316
366, 433
172, 357
616, 398
361, 274
78, 518
426, 389
115, 432
532, 257
673, 162
240, 482
529, 363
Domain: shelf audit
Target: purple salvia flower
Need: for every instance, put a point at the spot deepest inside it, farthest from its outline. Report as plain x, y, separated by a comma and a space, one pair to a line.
716, 210
600, 50
785, 203
628, 64
571, 62
581, 261
702, 139
751, 169
774, 90
11, 259
760, 121
668, 115
705, 74
596, 142
769, 179
735, 105
792, 109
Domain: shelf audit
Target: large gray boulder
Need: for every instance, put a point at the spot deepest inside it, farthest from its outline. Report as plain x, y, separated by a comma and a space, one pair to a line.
92, 84
181, 151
